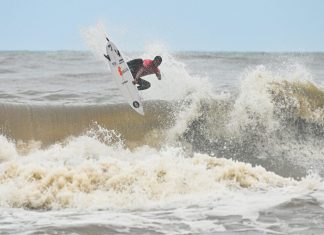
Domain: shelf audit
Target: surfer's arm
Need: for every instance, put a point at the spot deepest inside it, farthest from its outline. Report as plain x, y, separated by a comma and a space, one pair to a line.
158, 75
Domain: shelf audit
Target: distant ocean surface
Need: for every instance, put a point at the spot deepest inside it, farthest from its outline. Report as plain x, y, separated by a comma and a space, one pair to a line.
231, 143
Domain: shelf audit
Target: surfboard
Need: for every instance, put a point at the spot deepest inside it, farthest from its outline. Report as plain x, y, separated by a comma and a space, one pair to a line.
123, 77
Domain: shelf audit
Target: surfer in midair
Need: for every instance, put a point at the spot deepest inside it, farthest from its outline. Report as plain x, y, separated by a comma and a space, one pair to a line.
140, 68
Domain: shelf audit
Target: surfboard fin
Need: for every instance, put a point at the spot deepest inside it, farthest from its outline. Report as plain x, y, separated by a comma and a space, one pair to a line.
107, 39
107, 57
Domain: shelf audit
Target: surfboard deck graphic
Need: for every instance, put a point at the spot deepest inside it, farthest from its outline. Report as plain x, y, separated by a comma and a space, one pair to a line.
123, 77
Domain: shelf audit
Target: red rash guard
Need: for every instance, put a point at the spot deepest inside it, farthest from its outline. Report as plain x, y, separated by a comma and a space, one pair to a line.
149, 68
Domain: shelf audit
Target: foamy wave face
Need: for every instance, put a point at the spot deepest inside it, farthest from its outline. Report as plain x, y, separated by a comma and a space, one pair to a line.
7, 150
276, 121
254, 104
88, 173
267, 96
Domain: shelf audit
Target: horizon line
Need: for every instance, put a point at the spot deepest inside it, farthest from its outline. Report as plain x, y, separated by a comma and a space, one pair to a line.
172, 51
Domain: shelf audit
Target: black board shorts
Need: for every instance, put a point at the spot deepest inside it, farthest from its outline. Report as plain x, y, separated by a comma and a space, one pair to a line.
134, 66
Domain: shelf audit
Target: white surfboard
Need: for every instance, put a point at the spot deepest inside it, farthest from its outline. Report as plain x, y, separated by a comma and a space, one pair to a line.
123, 77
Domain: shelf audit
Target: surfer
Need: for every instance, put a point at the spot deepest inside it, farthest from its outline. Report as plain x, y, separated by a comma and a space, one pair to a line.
140, 68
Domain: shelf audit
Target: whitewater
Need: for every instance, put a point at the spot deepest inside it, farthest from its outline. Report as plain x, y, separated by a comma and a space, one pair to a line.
231, 143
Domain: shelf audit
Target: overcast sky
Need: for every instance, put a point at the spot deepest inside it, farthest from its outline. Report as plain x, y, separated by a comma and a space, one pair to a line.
194, 25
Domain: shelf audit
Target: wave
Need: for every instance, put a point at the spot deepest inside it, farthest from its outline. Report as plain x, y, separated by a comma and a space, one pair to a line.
195, 143
54, 123
276, 123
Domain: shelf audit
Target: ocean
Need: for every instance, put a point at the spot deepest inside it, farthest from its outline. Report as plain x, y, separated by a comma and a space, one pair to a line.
231, 143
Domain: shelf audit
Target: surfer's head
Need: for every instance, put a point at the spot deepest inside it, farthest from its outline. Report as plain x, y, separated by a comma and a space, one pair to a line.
157, 60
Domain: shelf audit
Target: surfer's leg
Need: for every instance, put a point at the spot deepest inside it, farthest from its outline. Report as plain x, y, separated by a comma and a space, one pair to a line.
131, 63
143, 84
132, 68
